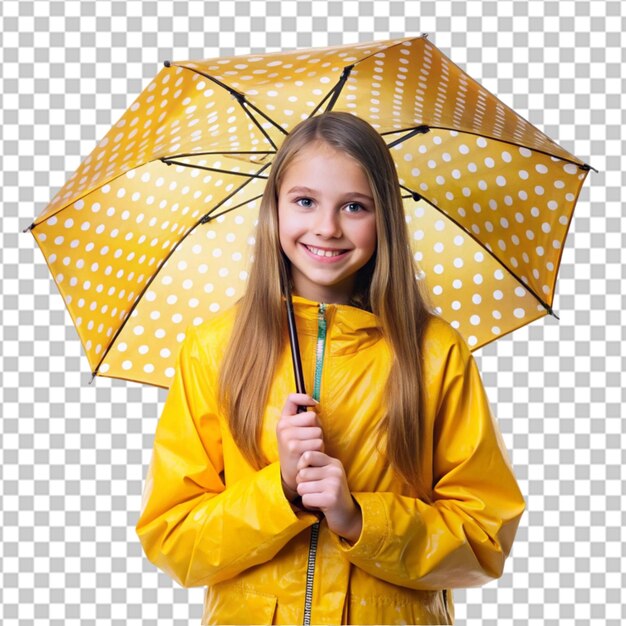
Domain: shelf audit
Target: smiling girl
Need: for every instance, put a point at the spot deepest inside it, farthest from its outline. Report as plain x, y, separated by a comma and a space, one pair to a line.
393, 486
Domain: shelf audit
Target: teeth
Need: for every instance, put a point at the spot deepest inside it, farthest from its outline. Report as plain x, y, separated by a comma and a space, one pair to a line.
327, 253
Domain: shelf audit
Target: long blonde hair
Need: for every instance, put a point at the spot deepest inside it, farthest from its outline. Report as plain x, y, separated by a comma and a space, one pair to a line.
386, 286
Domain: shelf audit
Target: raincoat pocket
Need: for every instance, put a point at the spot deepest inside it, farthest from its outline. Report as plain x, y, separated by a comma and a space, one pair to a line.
238, 606
411, 607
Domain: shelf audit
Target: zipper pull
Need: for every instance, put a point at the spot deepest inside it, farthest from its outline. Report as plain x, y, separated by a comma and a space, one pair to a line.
319, 350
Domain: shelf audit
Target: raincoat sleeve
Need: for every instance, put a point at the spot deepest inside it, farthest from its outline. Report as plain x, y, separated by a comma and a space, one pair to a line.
463, 536
192, 526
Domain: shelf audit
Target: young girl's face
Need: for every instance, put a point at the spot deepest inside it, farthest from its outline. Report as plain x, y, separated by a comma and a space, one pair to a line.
327, 224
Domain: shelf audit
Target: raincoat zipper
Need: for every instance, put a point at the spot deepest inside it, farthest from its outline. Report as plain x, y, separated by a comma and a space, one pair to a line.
315, 529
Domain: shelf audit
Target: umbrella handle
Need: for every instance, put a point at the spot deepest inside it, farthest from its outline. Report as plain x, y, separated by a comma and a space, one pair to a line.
293, 333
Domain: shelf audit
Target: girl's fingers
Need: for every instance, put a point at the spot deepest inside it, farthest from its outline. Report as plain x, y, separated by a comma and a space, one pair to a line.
331, 472
314, 501
311, 486
305, 432
304, 446
309, 418
310, 474
314, 458
318, 498
301, 420
295, 400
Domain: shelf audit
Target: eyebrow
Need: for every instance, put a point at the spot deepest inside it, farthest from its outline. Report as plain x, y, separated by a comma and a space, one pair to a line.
350, 194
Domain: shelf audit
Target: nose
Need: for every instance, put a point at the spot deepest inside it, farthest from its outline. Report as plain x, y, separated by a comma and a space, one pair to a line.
327, 223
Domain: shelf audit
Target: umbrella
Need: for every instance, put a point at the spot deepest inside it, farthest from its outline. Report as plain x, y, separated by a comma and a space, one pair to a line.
153, 232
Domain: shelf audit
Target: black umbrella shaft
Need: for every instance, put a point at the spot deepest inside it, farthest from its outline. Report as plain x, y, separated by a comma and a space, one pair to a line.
293, 335
295, 348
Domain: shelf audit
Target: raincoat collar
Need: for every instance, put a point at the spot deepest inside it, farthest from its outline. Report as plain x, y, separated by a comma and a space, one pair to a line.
346, 324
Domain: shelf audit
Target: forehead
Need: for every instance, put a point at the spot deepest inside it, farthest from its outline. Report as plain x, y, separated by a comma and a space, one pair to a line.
324, 164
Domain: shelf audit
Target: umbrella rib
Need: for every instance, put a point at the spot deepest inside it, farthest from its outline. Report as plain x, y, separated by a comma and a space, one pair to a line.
169, 161
206, 218
417, 196
515, 114
342, 79
418, 130
220, 152
241, 98
265, 116
210, 217
394, 44
577, 163
256, 122
100, 184
336, 92
583, 166
108, 181
321, 103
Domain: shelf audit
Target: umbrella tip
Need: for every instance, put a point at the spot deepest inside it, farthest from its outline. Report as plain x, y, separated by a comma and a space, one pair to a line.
586, 167
167, 64
550, 310
29, 228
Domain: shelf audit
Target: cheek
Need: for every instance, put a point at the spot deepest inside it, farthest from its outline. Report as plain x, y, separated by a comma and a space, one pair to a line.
285, 228
280, 218
369, 239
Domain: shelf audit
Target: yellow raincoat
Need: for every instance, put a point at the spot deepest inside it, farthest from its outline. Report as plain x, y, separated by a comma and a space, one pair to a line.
209, 519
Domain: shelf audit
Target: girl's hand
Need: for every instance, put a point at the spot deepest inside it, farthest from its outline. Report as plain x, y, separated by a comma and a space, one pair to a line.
323, 485
296, 433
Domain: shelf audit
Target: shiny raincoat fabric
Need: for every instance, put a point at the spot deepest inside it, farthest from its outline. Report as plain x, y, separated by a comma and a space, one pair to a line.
209, 519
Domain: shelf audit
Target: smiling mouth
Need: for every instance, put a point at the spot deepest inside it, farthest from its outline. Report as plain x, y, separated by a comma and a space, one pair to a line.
324, 253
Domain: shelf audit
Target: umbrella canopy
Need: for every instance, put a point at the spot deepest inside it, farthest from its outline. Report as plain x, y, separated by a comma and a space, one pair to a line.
153, 232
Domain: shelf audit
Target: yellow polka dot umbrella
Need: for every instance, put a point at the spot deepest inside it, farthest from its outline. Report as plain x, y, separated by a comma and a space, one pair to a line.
152, 233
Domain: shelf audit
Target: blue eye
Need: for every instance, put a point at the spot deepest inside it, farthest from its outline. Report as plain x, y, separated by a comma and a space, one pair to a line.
304, 202
354, 207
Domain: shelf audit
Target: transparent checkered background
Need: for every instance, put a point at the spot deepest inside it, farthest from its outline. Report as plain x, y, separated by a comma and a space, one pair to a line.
74, 455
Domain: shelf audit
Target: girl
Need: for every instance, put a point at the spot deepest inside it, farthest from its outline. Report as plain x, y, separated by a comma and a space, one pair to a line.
393, 486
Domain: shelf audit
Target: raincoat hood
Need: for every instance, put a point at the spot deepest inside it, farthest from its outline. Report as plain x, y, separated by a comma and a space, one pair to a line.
208, 518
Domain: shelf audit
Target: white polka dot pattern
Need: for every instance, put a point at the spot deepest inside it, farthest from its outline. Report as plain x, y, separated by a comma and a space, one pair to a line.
207, 274
288, 86
466, 284
180, 112
124, 239
104, 251
394, 85
483, 186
